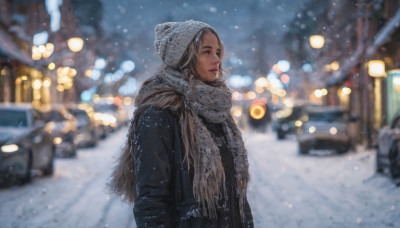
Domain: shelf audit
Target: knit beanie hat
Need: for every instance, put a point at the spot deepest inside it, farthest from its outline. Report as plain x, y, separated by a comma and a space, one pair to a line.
172, 39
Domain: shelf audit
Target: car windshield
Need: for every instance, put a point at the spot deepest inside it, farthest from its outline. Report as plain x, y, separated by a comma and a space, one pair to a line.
105, 107
296, 113
13, 118
332, 116
53, 116
78, 113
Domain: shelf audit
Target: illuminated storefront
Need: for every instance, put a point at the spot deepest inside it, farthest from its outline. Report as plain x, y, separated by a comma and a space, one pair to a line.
393, 93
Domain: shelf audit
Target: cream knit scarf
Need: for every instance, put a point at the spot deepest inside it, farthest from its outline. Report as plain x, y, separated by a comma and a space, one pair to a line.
213, 102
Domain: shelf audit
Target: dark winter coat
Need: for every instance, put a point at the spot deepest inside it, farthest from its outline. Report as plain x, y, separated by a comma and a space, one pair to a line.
164, 185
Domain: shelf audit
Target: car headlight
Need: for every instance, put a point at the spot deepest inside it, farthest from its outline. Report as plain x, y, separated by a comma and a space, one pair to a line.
9, 148
57, 140
312, 129
333, 130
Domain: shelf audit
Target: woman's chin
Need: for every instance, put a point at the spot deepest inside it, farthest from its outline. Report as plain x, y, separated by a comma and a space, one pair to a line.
210, 78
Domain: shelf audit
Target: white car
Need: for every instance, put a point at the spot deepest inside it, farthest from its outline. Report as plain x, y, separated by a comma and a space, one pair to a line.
325, 128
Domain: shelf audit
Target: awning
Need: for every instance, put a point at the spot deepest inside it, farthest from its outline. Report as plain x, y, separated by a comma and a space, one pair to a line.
384, 33
12, 50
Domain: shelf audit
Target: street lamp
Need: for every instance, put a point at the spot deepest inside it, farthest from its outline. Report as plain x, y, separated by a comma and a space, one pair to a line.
317, 41
376, 69
75, 44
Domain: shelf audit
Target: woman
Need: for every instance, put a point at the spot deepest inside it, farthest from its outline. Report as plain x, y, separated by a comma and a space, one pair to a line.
184, 164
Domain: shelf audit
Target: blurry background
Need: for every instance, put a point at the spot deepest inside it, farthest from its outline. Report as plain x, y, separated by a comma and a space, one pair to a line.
315, 88
114, 51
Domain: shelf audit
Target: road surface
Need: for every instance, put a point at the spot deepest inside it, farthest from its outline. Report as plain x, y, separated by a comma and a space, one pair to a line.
286, 190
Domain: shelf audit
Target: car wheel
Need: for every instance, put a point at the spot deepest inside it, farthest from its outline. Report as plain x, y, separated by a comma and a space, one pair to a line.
27, 176
72, 153
49, 170
394, 171
343, 149
378, 165
303, 149
394, 167
94, 140
280, 134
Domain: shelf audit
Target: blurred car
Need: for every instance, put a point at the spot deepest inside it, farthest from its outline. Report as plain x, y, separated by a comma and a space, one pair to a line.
288, 120
87, 129
325, 128
24, 143
259, 116
388, 150
61, 125
110, 114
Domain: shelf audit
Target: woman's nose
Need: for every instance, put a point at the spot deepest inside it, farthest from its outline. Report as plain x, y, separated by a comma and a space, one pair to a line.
217, 59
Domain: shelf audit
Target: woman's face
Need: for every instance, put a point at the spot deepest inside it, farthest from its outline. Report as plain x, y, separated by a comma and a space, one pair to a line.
209, 58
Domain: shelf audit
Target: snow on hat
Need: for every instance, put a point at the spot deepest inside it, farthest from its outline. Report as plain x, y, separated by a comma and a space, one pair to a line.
172, 39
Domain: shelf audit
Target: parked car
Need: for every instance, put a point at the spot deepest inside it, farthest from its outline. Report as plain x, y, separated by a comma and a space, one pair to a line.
111, 114
388, 150
87, 129
61, 125
288, 120
325, 128
25, 144
259, 116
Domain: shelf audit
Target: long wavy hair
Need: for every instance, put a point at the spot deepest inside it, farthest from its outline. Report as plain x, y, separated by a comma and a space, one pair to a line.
123, 178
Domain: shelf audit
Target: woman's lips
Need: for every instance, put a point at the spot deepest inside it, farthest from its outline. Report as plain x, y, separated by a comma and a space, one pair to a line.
214, 70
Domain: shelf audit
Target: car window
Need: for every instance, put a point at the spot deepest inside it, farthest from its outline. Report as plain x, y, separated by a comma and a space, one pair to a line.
54, 115
105, 107
336, 116
296, 113
13, 118
36, 115
80, 114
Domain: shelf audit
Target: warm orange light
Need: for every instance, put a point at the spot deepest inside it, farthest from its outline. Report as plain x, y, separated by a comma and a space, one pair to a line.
75, 44
259, 89
127, 100
51, 66
60, 88
257, 111
47, 82
37, 84
49, 48
36, 54
251, 95
317, 41
376, 68
88, 73
261, 82
335, 65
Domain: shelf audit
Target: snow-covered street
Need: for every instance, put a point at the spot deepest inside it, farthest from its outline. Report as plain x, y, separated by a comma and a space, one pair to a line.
317, 190
286, 190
